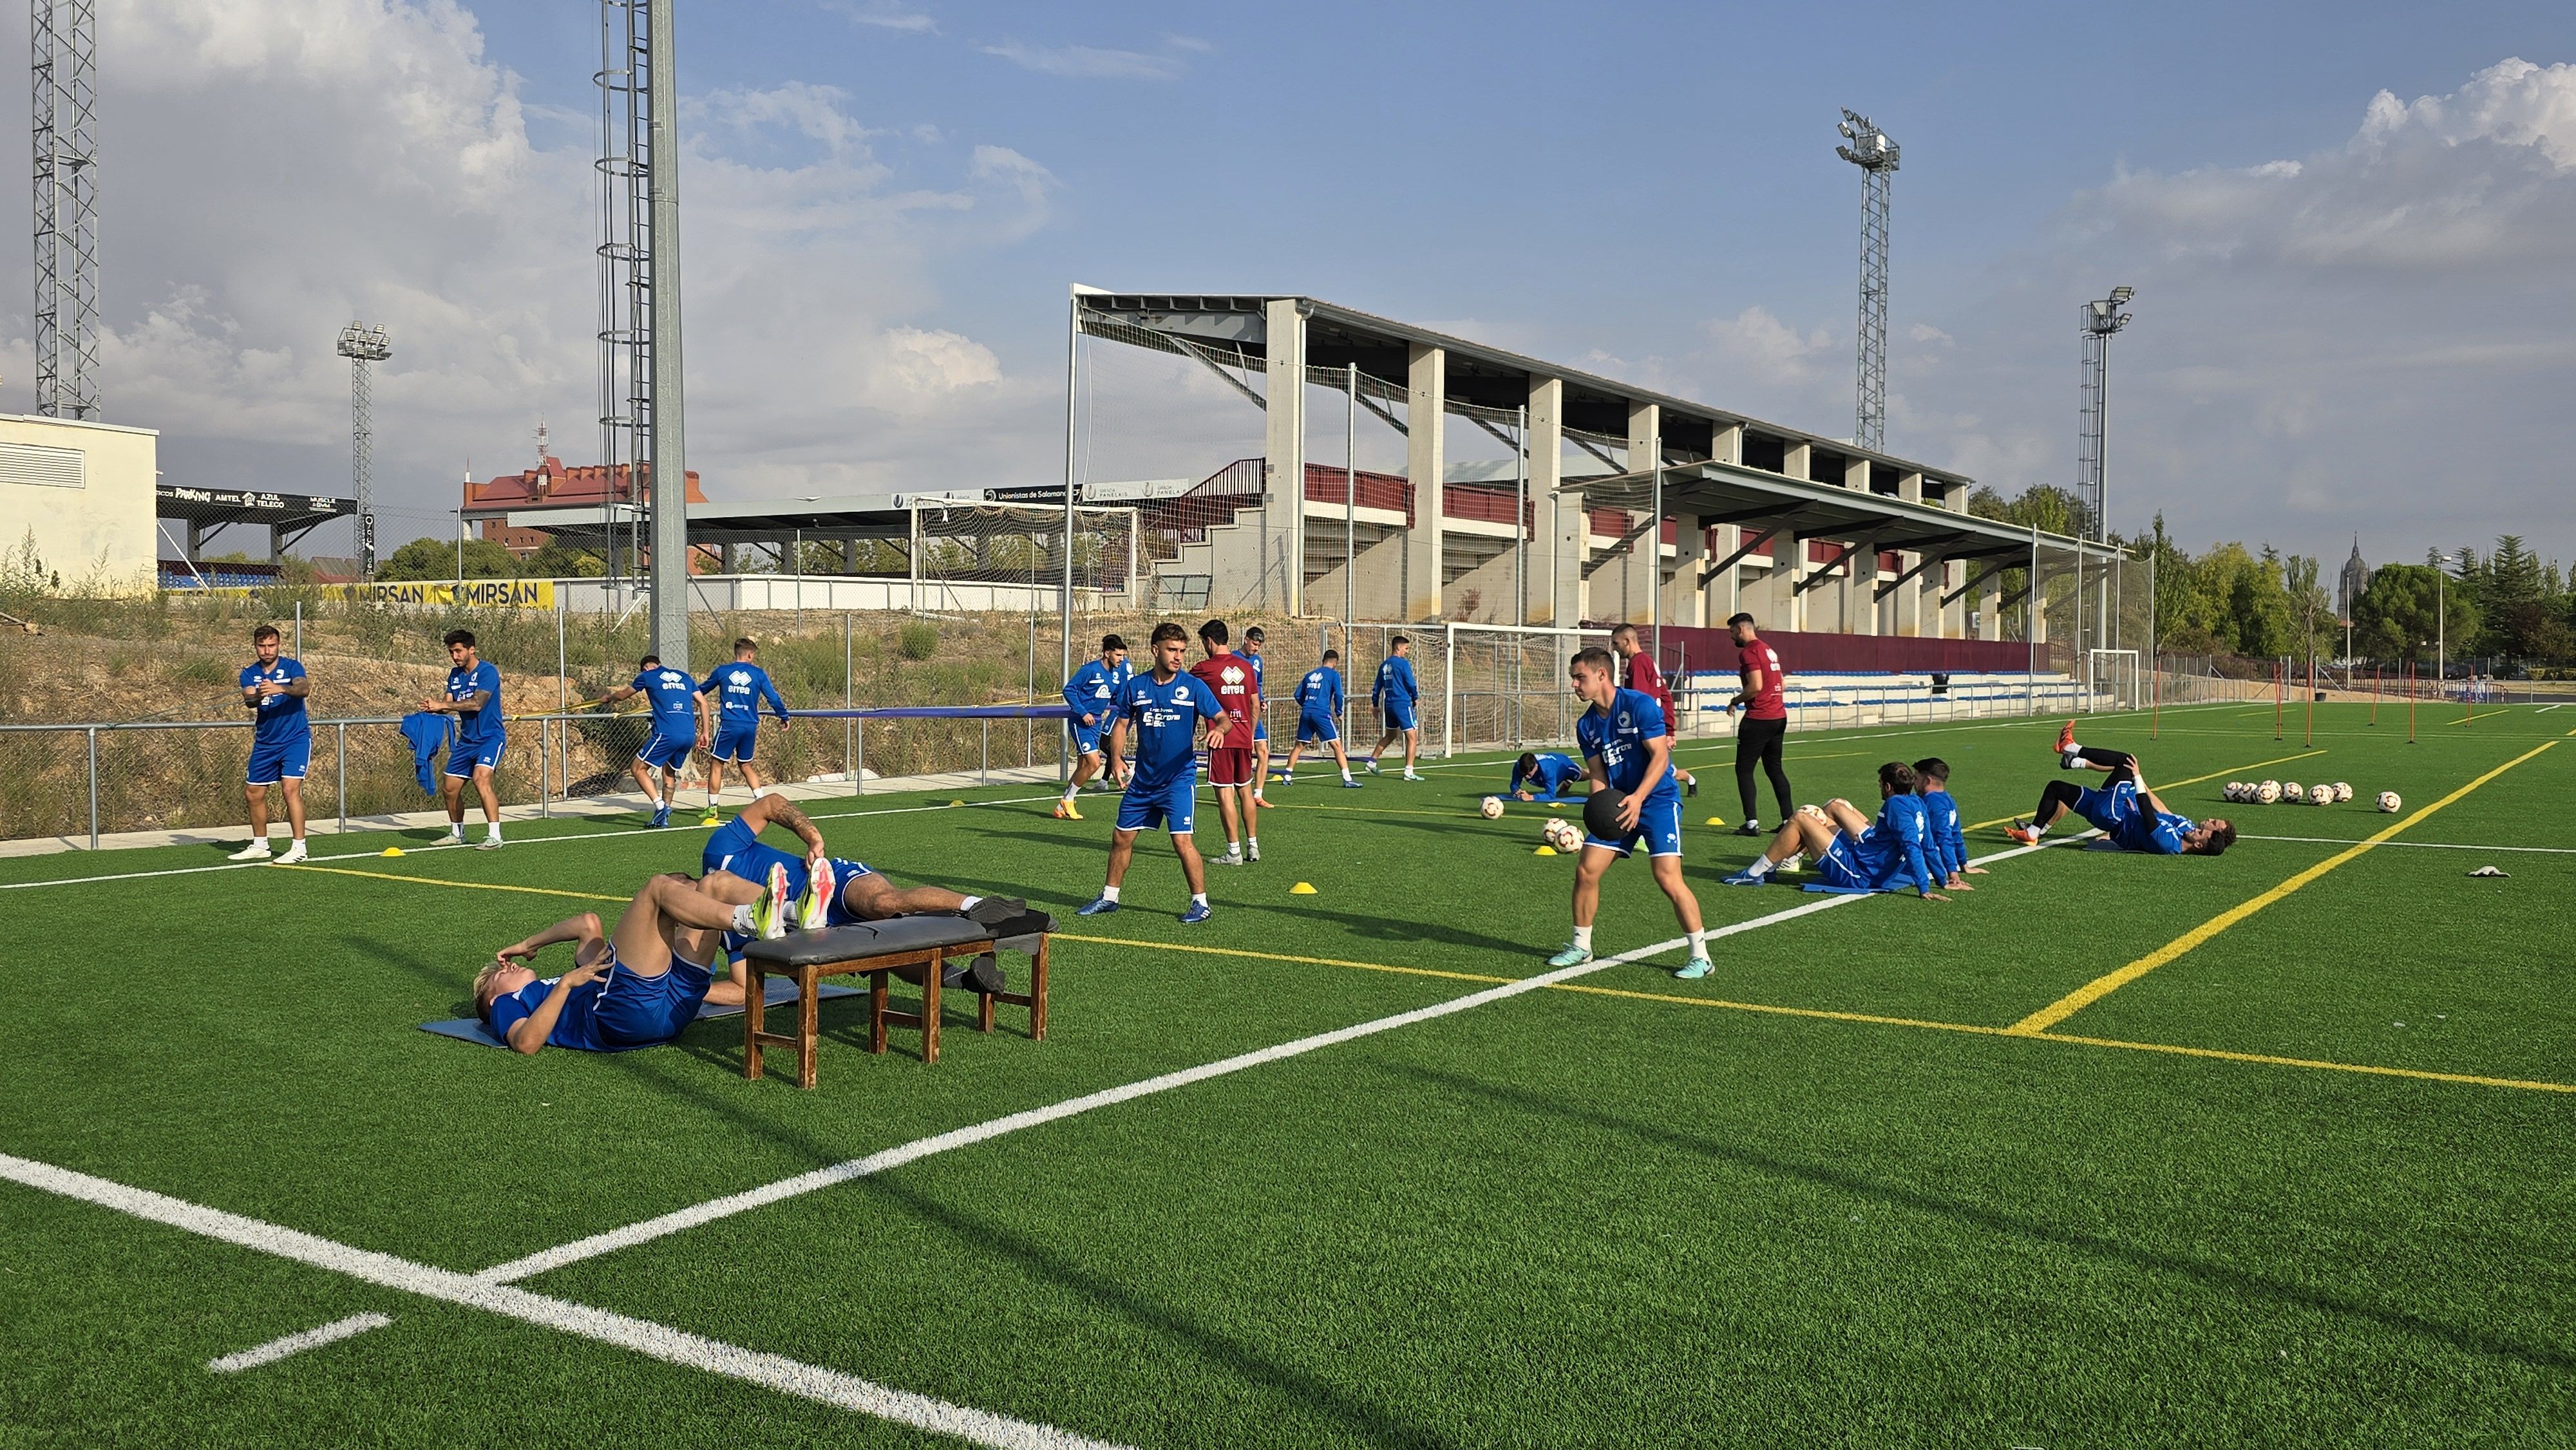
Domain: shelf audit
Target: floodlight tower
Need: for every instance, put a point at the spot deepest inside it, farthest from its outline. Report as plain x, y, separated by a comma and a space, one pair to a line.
63, 41
2099, 321
1868, 148
363, 345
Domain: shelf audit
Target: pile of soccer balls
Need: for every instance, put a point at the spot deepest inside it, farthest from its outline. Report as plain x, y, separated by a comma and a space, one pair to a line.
1562, 834
2271, 792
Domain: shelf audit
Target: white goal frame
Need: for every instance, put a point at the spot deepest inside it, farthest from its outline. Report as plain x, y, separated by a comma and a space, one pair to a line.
2114, 670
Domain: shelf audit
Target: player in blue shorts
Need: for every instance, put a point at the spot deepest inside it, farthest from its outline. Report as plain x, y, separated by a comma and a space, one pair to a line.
281, 743
1252, 642
674, 698
1319, 709
1945, 842
1092, 695
1534, 775
731, 721
1395, 694
1853, 852
2125, 810
1161, 711
474, 698
1626, 750
640, 985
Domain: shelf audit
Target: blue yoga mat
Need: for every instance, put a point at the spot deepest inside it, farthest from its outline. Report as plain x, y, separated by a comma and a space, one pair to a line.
779, 990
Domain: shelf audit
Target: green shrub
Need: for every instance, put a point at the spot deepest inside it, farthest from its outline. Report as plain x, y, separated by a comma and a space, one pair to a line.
917, 640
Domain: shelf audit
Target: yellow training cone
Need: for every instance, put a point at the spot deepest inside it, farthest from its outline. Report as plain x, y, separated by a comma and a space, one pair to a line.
392, 851
1302, 888
712, 821
957, 803
1716, 820
1544, 851
1556, 805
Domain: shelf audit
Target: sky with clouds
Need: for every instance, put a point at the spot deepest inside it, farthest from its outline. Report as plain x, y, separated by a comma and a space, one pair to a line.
2347, 226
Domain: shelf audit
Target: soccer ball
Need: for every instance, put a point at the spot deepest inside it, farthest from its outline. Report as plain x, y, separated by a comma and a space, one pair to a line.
2389, 802
2343, 790
2235, 791
2321, 795
1816, 811
1492, 808
2291, 791
1561, 834
2268, 792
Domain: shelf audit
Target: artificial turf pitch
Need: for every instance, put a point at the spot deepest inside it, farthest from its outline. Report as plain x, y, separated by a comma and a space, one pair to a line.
1619, 1210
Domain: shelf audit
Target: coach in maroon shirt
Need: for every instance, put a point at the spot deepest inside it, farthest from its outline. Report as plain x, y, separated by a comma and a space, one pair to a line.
1765, 724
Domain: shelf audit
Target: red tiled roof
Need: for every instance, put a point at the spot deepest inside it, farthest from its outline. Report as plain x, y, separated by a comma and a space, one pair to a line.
551, 485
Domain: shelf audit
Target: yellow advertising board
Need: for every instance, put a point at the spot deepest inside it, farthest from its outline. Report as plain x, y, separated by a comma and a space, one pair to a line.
470, 593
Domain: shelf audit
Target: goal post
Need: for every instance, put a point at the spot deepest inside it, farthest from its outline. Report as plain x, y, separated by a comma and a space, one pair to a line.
1504, 685
2112, 674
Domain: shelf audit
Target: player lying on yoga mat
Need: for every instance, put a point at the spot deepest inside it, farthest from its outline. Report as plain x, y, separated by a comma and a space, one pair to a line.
1852, 852
2125, 810
640, 985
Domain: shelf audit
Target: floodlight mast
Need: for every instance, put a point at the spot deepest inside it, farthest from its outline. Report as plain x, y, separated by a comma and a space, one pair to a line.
1869, 149
363, 345
2099, 321
63, 36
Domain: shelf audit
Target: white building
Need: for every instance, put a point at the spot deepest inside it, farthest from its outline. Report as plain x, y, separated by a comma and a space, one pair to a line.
82, 494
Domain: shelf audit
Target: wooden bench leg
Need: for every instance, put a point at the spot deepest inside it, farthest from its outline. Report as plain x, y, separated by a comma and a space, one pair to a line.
930, 1007
1037, 993
877, 986
751, 1024
809, 1027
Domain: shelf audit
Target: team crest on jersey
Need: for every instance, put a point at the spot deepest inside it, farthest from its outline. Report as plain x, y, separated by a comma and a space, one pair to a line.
1231, 674
1623, 719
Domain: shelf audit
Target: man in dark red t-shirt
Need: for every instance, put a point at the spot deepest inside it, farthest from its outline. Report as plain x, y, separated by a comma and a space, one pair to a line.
1232, 767
1766, 721
1645, 679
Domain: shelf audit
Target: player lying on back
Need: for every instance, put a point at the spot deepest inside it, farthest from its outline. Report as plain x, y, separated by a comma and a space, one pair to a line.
1534, 775
1627, 753
2125, 810
1319, 709
1852, 852
1945, 840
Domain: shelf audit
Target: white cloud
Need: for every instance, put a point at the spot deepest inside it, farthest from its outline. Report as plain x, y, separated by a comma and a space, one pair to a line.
890, 17
1091, 62
1754, 339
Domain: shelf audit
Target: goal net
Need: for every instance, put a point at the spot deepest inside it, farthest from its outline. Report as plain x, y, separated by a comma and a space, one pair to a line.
2111, 681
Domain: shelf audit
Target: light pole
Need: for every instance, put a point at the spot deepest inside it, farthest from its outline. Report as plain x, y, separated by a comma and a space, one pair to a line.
2442, 618
2100, 320
1869, 149
363, 345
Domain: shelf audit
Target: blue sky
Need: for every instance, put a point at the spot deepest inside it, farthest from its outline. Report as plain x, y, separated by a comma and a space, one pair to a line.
2344, 324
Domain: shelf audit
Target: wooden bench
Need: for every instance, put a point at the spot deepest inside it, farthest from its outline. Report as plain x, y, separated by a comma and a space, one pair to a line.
879, 950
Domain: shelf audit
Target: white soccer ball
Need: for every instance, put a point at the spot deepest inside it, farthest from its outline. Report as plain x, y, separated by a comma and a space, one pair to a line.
2389, 802
2235, 791
1816, 811
2268, 792
2292, 792
2343, 790
1561, 834
1492, 808
2321, 795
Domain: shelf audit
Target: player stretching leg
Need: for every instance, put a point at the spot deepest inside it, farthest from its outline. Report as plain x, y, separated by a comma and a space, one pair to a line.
1163, 708
732, 724
1625, 747
474, 698
1092, 695
281, 743
1395, 695
1235, 683
674, 698
1319, 709
1854, 853
2126, 810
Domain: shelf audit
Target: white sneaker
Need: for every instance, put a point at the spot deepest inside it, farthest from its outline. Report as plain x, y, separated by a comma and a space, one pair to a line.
455, 837
255, 851
814, 911
1252, 851
1409, 775
491, 842
293, 854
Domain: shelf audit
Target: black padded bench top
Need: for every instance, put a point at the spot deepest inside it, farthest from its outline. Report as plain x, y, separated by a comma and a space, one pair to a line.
865, 939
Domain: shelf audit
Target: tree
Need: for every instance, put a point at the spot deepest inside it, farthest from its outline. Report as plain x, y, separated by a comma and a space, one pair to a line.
2400, 616
427, 558
559, 560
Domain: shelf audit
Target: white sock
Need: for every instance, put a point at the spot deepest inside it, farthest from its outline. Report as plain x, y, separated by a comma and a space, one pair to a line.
1346, 772
1762, 866
1109, 893
1253, 841
492, 833
743, 924
1198, 898
1699, 943
1583, 937
969, 903
2037, 830
1069, 790
1753, 823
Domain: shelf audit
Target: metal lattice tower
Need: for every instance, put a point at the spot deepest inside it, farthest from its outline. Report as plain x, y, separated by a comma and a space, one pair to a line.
63, 41
364, 346
2099, 320
625, 261
1868, 148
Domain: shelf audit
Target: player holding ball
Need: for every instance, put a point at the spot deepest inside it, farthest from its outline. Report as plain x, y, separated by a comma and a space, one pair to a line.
1635, 797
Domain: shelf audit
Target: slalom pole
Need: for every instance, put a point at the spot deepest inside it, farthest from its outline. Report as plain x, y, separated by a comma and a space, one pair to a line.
2280, 690
2311, 738
2410, 702
2375, 672
2155, 701
2468, 698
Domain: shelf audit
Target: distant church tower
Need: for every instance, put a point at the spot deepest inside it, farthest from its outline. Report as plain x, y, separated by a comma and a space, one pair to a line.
2356, 578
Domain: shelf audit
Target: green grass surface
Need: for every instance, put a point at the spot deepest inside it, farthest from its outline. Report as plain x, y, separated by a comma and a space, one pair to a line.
1629, 1210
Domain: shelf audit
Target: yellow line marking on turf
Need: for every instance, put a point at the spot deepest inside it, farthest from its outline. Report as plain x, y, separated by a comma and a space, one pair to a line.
1464, 812
1120, 941
2104, 985
1817, 1012
465, 885
2178, 784
2267, 1059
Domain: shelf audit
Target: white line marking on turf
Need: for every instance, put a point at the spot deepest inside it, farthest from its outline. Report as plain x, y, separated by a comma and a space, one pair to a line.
2421, 845
277, 1349
657, 1341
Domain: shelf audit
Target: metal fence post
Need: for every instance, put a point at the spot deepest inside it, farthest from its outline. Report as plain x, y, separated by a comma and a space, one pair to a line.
563, 681
93, 787
546, 768
859, 759
299, 629
1448, 692
986, 769
342, 747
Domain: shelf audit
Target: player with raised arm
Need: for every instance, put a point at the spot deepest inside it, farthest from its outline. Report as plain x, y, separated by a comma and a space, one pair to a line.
1092, 695
731, 721
1395, 695
274, 689
1319, 709
1251, 652
1852, 852
674, 733
1162, 709
1628, 754
474, 698
2126, 810
1232, 767
1646, 679
1765, 726
1551, 773
1944, 838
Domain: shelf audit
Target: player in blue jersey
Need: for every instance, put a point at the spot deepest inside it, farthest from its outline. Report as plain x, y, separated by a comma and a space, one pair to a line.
1626, 751
1253, 639
1395, 694
673, 697
731, 720
1092, 695
1319, 709
1161, 711
1534, 775
640, 985
2125, 810
474, 698
274, 689
1944, 838
1853, 852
